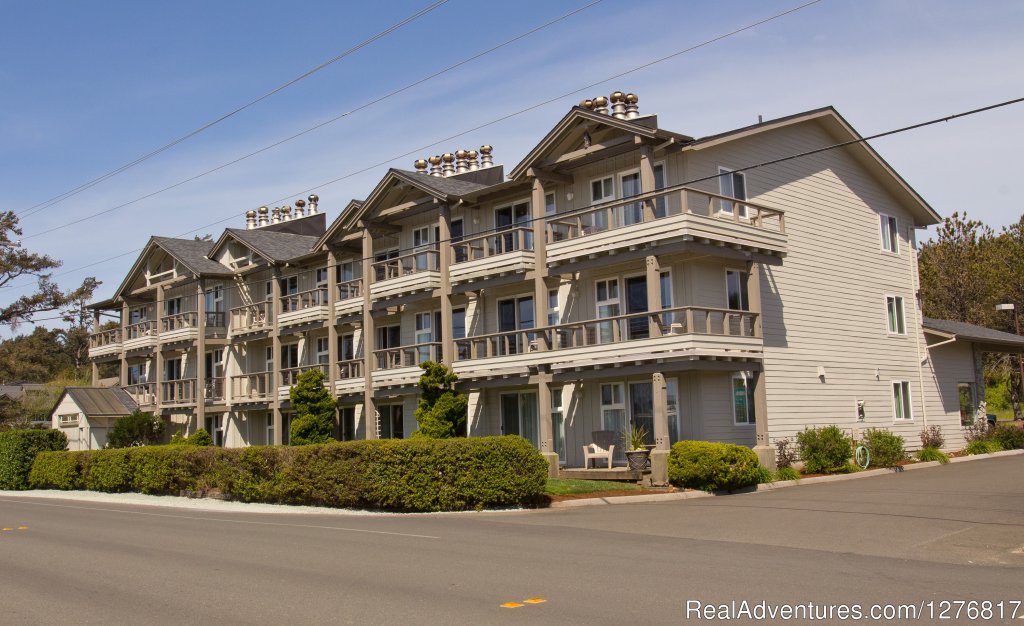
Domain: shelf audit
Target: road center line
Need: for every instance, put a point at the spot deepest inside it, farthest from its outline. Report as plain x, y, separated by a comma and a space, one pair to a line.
227, 521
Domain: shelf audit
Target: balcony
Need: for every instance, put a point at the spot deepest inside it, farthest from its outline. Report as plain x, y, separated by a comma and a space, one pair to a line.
105, 343
673, 333
678, 214
401, 365
290, 376
178, 392
184, 326
507, 252
406, 274
144, 394
251, 387
140, 336
304, 307
213, 390
250, 319
350, 298
350, 377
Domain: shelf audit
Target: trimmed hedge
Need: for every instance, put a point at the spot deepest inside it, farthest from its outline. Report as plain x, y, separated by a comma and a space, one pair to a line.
712, 466
18, 449
392, 474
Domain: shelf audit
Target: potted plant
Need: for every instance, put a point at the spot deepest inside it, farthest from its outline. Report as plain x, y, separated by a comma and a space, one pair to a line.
637, 453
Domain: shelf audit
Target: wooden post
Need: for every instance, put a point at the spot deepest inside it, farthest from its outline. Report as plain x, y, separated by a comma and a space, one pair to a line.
158, 314
124, 335
540, 272
201, 373
444, 333
274, 308
654, 303
332, 335
647, 180
369, 408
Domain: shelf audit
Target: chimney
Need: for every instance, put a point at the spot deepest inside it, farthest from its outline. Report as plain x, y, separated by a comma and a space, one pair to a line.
286, 213
300, 208
435, 165
601, 105
421, 166
276, 215
486, 160
313, 200
632, 110
263, 216
250, 219
474, 164
619, 105
448, 167
461, 166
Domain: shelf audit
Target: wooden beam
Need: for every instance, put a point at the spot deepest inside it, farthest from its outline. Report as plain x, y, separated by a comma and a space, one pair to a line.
550, 176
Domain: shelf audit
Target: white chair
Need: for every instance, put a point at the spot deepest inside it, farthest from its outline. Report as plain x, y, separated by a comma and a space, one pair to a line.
602, 448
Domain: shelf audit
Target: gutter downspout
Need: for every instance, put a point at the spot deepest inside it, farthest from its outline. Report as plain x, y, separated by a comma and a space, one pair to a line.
918, 331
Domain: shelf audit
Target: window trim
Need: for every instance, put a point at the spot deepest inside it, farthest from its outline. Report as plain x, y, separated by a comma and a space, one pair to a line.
884, 238
901, 322
604, 199
744, 212
742, 272
908, 401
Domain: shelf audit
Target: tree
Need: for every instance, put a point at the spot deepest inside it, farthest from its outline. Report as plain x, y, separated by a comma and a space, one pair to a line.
137, 429
16, 262
958, 278
314, 410
442, 412
35, 358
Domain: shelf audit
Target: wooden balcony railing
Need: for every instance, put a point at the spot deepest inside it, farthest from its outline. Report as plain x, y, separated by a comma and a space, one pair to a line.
304, 300
412, 263
179, 321
105, 338
144, 394
666, 202
350, 289
181, 391
141, 329
492, 244
213, 389
630, 327
407, 356
251, 386
256, 316
350, 368
290, 376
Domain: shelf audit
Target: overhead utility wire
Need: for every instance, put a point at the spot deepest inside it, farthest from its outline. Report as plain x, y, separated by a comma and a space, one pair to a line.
417, 150
317, 126
83, 187
677, 186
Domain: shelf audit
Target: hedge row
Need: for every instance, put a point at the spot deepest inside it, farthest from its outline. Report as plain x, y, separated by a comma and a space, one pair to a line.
18, 448
405, 475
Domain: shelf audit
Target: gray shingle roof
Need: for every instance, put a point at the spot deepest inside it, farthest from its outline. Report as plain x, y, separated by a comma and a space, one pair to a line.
444, 186
102, 401
192, 254
274, 245
978, 334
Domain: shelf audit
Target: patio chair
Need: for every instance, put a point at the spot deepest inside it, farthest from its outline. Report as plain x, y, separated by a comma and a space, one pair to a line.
602, 448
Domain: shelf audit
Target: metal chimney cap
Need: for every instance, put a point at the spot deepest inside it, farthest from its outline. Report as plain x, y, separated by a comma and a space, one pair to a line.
313, 198
631, 98
618, 96
250, 213
587, 104
264, 210
472, 154
420, 164
600, 101
300, 203
447, 157
461, 154
486, 149
435, 160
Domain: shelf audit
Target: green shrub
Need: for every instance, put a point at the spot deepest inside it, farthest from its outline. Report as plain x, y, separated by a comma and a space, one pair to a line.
786, 453
406, 475
442, 411
932, 454
764, 475
824, 450
18, 449
931, 437
982, 446
314, 410
199, 438
787, 473
886, 447
137, 429
1009, 436
712, 466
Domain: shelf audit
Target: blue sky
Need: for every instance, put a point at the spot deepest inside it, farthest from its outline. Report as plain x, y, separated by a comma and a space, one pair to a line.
90, 86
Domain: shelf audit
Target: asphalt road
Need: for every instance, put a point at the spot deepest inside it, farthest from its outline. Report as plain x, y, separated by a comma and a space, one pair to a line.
944, 534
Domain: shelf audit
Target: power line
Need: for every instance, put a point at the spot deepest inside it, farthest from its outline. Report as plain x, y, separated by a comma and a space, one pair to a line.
83, 187
316, 127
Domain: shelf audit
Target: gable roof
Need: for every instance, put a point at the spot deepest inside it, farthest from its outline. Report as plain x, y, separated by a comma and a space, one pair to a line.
837, 125
99, 401
443, 187
568, 124
190, 253
276, 247
991, 340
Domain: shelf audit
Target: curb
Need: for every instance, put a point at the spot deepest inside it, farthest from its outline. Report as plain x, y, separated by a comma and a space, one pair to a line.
764, 487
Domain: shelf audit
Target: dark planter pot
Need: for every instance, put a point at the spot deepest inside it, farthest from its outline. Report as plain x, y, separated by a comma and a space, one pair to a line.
637, 459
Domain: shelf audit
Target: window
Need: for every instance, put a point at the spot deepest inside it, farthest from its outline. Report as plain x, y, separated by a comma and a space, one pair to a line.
348, 422
424, 336
322, 354
289, 356
550, 206
459, 332
890, 239
607, 306
172, 306
894, 306
213, 303
901, 407
269, 359
289, 285
509, 217
602, 190
422, 245
966, 393
514, 314
734, 185
172, 369
519, 415
736, 290
553, 317
321, 286
457, 233
344, 272
391, 424
613, 410
382, 270
270, 428
675, 427
631, 213
389, 337
215, 426
660, 203
558, 423
136, 374
69, 420
743, 398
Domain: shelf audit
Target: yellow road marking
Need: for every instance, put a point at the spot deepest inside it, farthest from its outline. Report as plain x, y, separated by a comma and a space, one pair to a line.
8, 529
511, 605
22, 527
535, 600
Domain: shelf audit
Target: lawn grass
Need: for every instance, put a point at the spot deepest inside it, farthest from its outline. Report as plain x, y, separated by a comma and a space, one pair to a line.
1002, 415
568, 487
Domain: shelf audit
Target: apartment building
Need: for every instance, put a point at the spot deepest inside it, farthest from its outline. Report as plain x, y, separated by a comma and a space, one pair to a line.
619, 273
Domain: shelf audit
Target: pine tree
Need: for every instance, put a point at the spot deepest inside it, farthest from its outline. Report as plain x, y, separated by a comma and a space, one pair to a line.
442, 412
314, 410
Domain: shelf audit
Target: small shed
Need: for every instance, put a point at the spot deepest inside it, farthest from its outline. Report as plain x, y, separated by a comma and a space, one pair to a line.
87, 414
